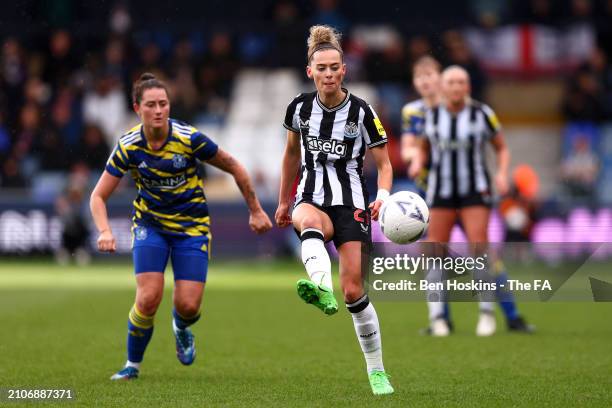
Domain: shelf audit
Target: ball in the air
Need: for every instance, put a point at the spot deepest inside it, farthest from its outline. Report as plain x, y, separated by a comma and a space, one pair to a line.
404, 217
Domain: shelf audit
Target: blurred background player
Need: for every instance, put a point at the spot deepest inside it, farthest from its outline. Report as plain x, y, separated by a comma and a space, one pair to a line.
70, 208
459, 185
328, 132
426, 81
170, 216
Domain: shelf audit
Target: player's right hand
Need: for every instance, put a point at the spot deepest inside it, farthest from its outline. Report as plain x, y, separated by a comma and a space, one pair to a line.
260, 222
106, 242
282, 217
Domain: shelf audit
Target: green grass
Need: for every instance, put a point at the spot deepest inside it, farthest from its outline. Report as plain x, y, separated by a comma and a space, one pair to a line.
259, 345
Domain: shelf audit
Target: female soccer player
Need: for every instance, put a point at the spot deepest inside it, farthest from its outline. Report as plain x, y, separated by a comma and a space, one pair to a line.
170, 216
458, 184
328, 132
426, 81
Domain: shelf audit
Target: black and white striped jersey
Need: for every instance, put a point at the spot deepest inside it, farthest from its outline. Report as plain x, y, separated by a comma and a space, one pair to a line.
334, 142
457, 155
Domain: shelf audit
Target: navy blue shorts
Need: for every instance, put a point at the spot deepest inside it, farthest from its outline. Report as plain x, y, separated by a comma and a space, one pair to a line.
151, 249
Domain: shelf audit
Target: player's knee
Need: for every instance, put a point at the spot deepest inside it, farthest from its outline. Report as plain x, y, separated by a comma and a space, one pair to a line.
311, 221
148, 302
352, 290
187, 308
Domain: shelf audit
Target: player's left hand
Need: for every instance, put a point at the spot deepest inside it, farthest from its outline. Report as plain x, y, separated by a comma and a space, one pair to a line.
259, 222
501, 183
375, 208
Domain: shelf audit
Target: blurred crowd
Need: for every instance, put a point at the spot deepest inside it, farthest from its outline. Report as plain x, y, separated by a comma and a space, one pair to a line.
64, 91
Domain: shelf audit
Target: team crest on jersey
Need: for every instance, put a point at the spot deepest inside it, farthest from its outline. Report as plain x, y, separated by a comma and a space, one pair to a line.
178, 161
351, 130
140, 233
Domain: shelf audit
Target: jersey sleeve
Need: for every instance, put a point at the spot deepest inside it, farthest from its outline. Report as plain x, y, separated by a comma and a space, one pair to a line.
413, 121
203, 147
291, 120
373, 130
492, 122
118, 163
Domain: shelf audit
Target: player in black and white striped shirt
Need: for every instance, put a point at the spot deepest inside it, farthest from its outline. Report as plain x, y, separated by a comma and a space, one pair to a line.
328, 132
459, 186
426, 80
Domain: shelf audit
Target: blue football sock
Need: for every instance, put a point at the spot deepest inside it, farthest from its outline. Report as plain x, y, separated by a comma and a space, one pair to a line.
505, 298
446, 311
140, 331
184, 322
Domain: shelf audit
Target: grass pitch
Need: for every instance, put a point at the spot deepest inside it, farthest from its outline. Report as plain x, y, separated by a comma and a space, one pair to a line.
259, 345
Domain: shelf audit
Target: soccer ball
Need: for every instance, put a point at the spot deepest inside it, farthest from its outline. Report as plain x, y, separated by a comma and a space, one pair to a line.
403, 217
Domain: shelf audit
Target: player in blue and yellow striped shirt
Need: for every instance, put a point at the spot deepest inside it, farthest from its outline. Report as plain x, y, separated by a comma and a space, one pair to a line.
170, 218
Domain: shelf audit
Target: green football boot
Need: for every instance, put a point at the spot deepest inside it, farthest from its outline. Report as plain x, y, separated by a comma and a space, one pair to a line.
379, 381
320, 296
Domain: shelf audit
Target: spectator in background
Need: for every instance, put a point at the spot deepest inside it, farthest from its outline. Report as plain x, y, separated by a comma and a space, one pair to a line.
11, 176
13, 75
489, 13
5, 137
93, 150
61, 59
604, 28
120, 21
327, 12
50, 151
105, 106
586, 90
579, 171
418, 47
538, 12
518, 207
115, 61
150, 58
289, 31
66, 116
457, 52
182, 81
29, 131
388, 64
70, 209
216, 73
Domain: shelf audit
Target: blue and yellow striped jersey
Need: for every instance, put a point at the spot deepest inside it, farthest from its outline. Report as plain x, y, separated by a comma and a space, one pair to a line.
170, 191
413, 117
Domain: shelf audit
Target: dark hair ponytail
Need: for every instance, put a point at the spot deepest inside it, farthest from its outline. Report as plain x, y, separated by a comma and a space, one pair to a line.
146, 81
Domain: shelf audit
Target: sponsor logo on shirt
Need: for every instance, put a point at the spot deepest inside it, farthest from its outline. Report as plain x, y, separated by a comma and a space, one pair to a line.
331, 146
166, 183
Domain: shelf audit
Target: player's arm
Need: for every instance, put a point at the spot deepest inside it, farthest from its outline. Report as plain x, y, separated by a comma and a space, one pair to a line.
420, 157
290, 167
503, 163
258, 219
385, 176
97, 204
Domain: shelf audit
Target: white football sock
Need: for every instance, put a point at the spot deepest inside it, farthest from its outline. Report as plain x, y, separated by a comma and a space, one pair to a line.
315, 257
132, 364
435, 298
368, 332
488, 307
